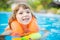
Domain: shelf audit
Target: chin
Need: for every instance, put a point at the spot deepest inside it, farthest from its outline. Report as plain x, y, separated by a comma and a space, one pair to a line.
25, 23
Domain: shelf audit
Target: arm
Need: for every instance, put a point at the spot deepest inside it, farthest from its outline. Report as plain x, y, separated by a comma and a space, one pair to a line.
7, 31
46, 32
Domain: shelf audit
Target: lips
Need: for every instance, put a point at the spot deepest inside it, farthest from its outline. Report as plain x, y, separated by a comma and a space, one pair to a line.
25, 19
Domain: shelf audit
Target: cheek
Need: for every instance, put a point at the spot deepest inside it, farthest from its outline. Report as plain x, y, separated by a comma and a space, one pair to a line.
30, 15
18, 17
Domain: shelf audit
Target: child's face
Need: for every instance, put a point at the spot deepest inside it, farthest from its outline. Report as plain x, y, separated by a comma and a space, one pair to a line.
24, 16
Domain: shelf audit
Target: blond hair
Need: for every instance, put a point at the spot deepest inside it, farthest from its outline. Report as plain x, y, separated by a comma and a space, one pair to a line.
13, 17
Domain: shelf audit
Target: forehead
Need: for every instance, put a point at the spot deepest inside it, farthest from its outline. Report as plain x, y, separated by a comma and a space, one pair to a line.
24, 6
21, 9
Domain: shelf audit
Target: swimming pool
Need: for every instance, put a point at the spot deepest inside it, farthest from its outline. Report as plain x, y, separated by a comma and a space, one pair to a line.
50, 22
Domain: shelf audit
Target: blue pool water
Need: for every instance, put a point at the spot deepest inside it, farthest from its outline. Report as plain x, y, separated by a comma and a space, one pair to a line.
50, 22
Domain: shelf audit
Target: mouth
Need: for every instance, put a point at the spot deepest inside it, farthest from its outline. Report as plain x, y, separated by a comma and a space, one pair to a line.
26, 19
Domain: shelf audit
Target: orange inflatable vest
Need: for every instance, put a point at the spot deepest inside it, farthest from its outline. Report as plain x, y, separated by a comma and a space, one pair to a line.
17, 28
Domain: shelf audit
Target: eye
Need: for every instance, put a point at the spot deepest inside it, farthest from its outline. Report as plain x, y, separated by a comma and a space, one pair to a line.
21, 13
27, 12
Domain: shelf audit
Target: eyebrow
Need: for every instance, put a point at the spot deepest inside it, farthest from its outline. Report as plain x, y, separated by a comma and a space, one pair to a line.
27, 10
24, 10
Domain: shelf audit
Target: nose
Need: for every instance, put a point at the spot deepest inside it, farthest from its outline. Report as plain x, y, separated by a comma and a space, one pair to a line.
25, 14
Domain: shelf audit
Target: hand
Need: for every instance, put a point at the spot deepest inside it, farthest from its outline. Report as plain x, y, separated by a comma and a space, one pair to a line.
7, 32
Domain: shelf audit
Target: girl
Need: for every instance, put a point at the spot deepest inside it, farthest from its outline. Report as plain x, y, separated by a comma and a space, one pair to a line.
22, 22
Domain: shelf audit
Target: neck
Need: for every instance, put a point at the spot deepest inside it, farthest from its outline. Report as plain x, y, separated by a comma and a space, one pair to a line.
24, 25
25, 28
